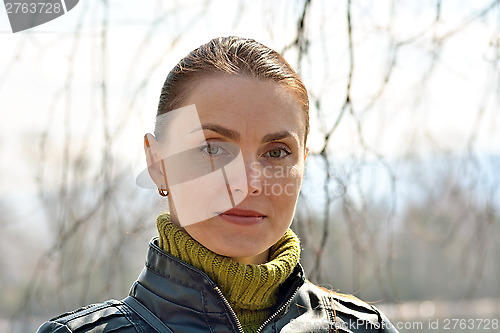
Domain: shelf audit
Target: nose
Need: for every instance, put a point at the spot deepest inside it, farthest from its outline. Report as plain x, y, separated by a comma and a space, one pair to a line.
249, 182
254, 171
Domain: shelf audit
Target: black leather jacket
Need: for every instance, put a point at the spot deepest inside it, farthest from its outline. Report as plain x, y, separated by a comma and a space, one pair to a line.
185, 299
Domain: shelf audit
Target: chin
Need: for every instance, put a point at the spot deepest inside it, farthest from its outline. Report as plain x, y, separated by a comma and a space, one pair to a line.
236, 250
230, 242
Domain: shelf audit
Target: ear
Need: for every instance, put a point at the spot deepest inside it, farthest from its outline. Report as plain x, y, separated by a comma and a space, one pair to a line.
155, 163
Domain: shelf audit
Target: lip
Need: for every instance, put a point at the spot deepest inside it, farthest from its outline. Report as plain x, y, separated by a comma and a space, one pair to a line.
242, 216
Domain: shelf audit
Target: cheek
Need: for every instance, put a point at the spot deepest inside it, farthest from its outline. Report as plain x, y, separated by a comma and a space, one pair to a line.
284, 187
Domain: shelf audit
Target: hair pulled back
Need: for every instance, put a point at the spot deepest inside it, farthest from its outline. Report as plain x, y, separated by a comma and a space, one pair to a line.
234, 56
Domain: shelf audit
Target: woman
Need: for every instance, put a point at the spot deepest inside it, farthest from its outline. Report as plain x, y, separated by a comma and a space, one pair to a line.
228, 153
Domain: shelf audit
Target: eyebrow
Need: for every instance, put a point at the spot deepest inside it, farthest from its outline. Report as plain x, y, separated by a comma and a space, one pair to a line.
228, 133
234, 135
276, 136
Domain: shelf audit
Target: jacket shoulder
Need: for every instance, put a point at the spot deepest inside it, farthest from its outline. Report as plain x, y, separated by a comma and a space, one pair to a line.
351, 313
109, 316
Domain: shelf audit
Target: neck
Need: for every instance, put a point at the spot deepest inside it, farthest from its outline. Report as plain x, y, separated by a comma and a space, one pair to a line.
251, 289
261, 258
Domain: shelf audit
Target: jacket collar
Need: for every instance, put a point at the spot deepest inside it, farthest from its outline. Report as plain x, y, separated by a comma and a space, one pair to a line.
168, 282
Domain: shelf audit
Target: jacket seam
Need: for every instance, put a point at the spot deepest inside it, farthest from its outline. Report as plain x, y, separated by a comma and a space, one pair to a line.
169, 277
174, 280
60, 325
204, 306
176, 260
203, 311
83, 312
128, 313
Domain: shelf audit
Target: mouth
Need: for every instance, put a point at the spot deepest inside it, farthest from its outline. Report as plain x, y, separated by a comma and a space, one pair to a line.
242, 216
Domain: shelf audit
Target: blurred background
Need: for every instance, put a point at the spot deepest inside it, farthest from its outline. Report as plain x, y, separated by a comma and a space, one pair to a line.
401, 201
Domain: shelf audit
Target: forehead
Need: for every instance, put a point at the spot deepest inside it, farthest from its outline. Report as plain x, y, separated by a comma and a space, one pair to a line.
247, 102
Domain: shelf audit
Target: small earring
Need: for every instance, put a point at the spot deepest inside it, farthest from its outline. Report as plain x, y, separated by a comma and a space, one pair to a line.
162, 192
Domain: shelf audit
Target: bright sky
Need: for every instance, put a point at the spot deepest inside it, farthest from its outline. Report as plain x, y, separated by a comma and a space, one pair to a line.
143, 46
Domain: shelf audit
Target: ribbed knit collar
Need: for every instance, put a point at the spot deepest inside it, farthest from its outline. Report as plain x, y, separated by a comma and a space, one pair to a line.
250, 289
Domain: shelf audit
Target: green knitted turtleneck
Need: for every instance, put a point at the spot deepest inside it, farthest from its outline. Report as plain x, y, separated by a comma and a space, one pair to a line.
250, 289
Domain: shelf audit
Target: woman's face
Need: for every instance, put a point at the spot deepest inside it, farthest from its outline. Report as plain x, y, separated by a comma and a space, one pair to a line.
266, 124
